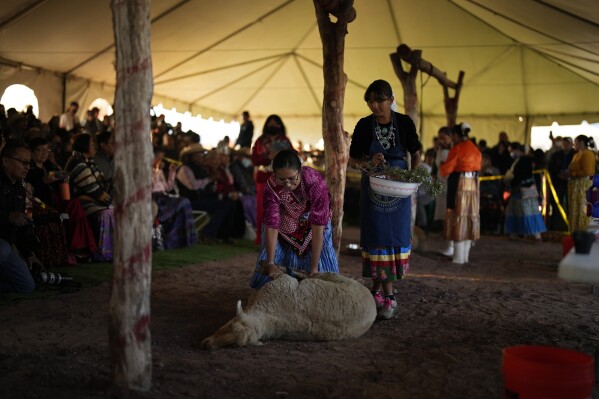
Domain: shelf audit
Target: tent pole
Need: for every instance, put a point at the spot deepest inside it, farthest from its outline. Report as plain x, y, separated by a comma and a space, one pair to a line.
527, 123
64, 92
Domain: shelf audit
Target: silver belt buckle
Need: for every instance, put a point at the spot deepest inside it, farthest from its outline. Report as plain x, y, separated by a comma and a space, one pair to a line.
469, 174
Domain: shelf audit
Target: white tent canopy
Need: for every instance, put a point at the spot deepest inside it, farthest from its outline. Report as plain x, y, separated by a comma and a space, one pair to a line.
533, 59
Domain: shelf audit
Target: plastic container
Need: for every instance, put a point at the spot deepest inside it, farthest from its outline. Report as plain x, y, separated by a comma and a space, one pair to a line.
567, 245
535, 372
392, 188
583, 241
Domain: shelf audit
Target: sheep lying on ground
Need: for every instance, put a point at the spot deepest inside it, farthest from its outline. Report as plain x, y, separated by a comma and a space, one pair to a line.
325, 307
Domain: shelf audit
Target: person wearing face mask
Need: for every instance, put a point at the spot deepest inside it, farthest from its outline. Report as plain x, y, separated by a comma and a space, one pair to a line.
522, 215
297, 221
273, 139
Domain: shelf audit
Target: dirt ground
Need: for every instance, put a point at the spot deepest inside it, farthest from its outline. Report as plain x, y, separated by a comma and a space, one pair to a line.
445, 342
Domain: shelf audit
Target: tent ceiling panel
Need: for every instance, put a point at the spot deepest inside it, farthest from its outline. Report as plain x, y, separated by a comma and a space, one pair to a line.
100, 69
287, 89
12, 10
584, 9
536, 56
208, 64
58, 35
541, 27
284, 30
200, 89
201, 26
442, 24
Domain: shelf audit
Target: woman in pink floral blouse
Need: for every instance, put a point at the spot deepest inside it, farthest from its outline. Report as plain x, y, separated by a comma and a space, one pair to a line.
297, 230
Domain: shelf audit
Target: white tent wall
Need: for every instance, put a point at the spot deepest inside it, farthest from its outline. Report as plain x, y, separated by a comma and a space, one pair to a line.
47, 87
85, 92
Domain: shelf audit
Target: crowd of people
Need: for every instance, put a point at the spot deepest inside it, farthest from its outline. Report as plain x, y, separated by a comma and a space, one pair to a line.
511, 185
56, 206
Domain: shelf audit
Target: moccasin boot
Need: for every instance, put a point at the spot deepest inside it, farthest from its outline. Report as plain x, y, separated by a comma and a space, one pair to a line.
458, 254
448, 250
467, 246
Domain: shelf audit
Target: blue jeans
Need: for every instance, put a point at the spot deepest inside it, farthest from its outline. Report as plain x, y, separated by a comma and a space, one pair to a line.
14, 273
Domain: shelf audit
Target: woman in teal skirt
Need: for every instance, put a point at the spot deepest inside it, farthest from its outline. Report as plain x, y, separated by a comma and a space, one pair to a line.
384, 137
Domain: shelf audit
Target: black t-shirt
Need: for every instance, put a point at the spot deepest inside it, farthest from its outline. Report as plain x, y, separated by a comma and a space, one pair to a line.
363, 135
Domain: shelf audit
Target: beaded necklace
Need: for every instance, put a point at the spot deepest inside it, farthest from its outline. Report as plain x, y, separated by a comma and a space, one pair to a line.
384, 136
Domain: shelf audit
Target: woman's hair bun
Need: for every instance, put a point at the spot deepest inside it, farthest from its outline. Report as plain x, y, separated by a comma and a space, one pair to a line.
462, 129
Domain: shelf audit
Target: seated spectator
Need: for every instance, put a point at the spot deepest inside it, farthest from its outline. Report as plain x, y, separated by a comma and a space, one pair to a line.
169, 146
225, 188
43, 174
92, 124
104, 157
242, 170
197, 181
15, 226
174, 212
61, 148
88, 185
48, 228
223, 146
45, 178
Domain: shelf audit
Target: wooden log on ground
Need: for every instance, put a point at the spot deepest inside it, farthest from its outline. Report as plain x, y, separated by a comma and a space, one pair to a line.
129, 329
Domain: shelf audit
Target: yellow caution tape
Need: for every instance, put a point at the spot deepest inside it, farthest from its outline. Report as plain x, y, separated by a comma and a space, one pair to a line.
559, 205
489, 178
170, 160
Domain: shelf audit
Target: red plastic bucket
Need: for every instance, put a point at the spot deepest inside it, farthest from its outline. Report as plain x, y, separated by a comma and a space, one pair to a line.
567, 245
535, 372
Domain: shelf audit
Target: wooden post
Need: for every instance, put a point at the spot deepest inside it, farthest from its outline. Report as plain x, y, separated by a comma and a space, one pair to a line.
451, 103
129, 329
336, 139
414, 58
408, 83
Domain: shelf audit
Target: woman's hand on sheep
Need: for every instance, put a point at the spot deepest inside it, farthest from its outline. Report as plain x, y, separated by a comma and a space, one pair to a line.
313, 271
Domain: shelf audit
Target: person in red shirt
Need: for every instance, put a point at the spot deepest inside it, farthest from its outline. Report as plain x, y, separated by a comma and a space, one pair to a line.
273, 139
462, 220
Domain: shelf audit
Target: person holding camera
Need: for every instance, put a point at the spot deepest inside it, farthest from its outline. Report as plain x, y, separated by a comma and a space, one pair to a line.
16, 228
